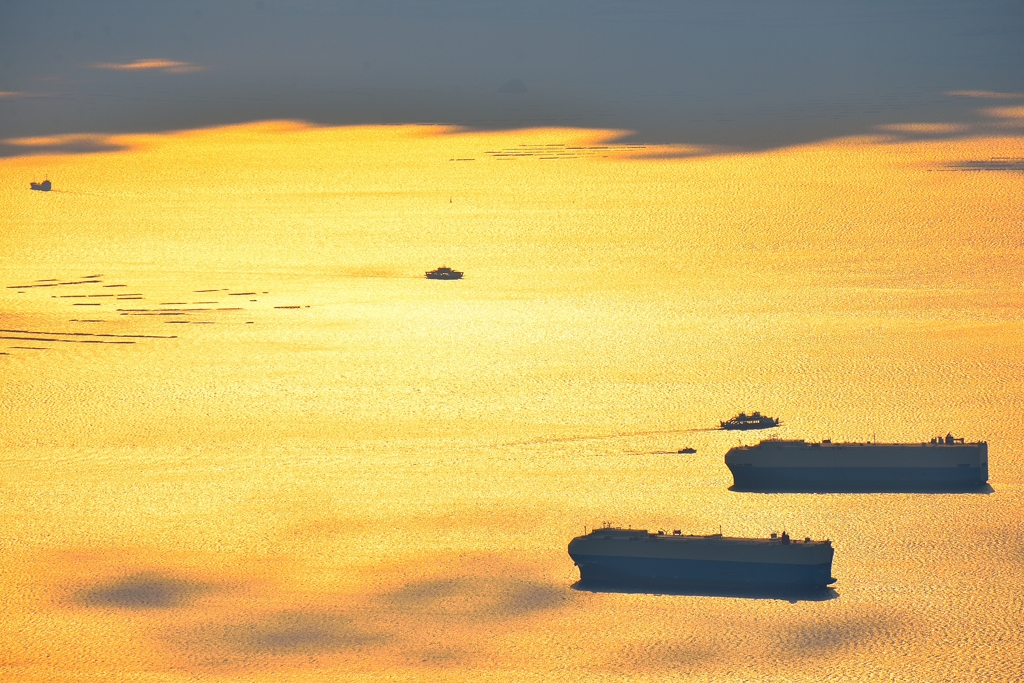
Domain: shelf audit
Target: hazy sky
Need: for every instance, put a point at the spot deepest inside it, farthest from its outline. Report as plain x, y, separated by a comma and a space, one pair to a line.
731, 72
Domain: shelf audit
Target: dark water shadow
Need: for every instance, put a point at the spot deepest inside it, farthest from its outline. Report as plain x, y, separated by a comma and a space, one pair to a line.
984, 489
144, 591
76, 146
994, 164
476, 598
792, 595
296, 631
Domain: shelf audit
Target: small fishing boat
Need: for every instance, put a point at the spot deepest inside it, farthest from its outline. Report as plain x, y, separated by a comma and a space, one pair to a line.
444, 273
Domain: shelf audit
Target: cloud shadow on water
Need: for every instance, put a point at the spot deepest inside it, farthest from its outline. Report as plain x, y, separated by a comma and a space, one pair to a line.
296, 631
280, 639
140, 592
819, 639
61, 144
438, 622
476, 598
722, 644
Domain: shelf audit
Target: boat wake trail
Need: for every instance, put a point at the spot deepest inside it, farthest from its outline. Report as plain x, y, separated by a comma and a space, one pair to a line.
601, 437
79, 193
679, 452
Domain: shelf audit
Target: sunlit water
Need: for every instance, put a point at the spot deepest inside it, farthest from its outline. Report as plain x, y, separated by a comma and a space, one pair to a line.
314, 464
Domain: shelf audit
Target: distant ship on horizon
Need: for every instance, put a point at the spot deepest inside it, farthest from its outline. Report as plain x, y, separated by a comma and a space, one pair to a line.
444, 273
42, 187
753, 421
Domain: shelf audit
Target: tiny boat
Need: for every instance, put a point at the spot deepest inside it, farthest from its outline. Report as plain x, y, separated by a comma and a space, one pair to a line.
687, 450
42, 187
444, 273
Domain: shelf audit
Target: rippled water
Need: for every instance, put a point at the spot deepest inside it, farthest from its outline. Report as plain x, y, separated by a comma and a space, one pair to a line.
313, 463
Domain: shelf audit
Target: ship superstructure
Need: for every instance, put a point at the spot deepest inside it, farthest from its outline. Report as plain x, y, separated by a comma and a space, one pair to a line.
945, 463
612, 555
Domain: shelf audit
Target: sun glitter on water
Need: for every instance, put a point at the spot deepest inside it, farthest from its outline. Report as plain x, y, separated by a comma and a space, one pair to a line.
294, 455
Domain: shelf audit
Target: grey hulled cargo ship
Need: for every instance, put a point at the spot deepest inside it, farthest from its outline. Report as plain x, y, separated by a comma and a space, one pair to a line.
943, 464
636, 557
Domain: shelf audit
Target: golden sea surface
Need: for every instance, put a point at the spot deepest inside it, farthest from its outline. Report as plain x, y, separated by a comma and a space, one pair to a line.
244, 439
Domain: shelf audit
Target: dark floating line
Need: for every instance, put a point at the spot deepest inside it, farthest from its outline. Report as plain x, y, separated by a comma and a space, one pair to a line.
230, 309
81, 282
173, 303
73, 296
158, 310
67, 341
287, 306
89, 334
205, 302
52, 284
203, 291
91, 277
84, 304
243, 294
115, 285
993, 164
52, 279
99, 296
30, 348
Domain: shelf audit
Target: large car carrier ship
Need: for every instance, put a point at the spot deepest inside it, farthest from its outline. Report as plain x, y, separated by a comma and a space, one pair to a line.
636, 557
943, 464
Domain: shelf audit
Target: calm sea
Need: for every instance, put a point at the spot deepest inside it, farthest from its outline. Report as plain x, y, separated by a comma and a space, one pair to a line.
245, 439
